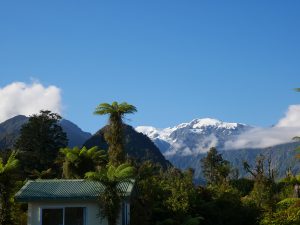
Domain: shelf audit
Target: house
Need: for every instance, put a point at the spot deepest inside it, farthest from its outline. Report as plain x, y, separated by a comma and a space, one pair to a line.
69, 202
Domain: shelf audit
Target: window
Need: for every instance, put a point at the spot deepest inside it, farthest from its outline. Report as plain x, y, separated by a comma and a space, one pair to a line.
74, 216
63, 216
52, 217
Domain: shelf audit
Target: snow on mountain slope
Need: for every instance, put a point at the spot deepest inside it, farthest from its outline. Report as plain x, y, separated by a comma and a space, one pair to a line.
153, 132
184, 145
194, 137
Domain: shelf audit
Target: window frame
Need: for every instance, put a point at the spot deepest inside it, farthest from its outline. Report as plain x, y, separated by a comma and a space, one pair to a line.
63, 207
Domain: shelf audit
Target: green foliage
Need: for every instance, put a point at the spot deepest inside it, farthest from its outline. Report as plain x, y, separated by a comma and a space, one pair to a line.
39, 142
147, 206
264, 192
115, 135
192, 220
45, 174
115, 110
287, 202
179, 188
170, 197
165, 197
76, 162
286, 186
110, 200
287, 213
8, 182
187, 221
243, 185
222, 205
214, 167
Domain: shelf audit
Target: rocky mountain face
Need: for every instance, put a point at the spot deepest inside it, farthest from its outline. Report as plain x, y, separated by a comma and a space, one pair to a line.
184, 145
10, 130
137, 146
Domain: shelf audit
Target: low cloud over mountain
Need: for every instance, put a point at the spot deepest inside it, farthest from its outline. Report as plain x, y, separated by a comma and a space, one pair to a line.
283, 132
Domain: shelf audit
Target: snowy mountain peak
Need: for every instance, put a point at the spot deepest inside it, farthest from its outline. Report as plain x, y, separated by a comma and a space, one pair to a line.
195, 125
194, 137
206, 122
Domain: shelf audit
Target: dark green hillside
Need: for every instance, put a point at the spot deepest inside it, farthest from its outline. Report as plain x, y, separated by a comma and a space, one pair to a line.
10, 130
137, 146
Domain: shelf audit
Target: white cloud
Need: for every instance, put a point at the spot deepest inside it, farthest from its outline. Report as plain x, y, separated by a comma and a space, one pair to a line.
19, 98
283, 132
174, 149
292, 117
203, 145
208, 142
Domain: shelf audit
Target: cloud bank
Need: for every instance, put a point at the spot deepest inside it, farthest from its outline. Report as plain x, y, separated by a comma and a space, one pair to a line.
19, 98
283, 132
201, 146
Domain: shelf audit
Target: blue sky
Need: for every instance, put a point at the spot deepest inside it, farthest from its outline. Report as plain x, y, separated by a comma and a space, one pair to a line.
174, 60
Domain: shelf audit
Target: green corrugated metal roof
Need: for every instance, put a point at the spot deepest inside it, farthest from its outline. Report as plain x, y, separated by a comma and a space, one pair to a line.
57, 190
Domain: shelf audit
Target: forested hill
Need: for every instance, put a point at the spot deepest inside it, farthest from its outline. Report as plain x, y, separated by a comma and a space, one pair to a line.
137, 146
10, 130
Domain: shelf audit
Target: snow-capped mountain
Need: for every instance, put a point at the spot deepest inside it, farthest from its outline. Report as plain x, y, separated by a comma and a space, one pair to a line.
194, 137
186, 144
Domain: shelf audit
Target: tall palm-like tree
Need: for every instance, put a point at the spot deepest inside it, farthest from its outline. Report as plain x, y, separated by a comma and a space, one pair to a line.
114, 136
8, 181
76, 162
110, 200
